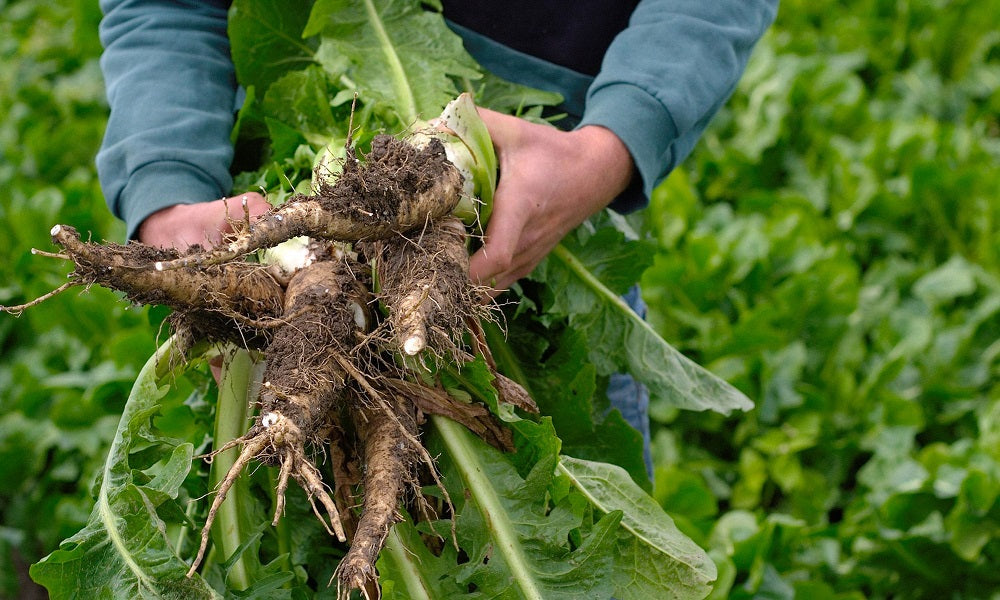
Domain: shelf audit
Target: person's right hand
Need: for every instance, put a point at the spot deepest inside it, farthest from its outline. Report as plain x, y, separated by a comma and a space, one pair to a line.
205, 223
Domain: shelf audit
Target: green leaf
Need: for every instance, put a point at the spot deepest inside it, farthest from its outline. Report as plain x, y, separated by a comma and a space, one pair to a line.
301, 101
565, 388
953, 279
266, 40
585, 279
654, 559
410, 571
123, 551
512, 98
517, 547
399, 54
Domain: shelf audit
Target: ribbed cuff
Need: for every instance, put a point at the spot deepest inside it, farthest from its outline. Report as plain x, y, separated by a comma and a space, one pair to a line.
162, 184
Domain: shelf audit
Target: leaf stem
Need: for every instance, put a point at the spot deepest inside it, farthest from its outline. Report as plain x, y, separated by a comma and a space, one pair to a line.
411, 579
404, 93
688, 372
588, 278
458, 441
231, 415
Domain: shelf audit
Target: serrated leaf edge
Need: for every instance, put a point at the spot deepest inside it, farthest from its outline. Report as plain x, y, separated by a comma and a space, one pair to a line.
580, 270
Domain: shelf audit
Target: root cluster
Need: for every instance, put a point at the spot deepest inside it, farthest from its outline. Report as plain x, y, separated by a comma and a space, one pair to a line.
337, 335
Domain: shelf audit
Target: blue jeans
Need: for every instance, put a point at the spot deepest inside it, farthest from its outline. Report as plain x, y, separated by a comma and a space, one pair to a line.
631, 397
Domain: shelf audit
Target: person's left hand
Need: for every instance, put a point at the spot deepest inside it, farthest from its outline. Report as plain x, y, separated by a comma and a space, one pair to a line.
550, 182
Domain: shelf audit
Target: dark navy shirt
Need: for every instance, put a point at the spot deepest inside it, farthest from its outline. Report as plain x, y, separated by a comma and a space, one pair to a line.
574, 34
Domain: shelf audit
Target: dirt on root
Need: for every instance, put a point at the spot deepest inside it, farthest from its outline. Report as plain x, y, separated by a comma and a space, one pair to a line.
392, 170
322, 302
425, 284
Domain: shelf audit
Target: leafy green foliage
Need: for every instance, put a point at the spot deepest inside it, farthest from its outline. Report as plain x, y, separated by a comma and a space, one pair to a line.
585, 277
265, 41
555, 532
832, 249
566, 389
135, 542
123, 552
519, 544
402, 55
653, 559
505, 497
66, 366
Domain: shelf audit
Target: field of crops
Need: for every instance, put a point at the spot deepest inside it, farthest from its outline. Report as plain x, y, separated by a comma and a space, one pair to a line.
832, 248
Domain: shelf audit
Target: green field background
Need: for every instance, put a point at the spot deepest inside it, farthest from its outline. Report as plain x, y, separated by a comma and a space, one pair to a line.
832, 248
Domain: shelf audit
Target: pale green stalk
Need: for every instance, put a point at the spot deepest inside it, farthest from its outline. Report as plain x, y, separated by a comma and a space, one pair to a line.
405, 101
231, 416
458, 441
410, 571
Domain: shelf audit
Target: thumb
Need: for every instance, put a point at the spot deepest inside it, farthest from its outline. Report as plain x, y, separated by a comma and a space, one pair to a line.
250, 204
503, 129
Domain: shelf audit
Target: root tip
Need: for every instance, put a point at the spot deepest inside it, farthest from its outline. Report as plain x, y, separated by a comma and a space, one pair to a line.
413, 345
158, 266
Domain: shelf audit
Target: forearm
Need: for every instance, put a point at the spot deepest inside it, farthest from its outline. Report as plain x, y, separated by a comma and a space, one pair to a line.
667, 74
171, 89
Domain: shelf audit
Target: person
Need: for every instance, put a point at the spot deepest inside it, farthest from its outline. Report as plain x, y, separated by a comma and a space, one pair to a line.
640, 79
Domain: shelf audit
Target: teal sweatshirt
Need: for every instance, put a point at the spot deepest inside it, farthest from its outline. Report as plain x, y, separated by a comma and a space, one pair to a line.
172, 91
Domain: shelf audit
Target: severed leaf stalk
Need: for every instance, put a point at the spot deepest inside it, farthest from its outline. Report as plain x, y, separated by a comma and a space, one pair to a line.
231, 417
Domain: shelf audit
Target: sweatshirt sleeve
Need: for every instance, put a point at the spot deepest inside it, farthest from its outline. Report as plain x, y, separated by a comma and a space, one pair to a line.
667, 74
171, 86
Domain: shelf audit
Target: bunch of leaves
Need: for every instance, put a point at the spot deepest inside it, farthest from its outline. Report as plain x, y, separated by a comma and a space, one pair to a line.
67, 367
832, 248
532, 524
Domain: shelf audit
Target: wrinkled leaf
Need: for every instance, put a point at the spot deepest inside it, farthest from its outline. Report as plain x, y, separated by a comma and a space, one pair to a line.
618, 339
654, 559
266, 40
516, 547
399, 54
123, 551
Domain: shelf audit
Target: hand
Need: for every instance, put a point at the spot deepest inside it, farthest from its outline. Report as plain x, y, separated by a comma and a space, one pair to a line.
204, 223
550, 182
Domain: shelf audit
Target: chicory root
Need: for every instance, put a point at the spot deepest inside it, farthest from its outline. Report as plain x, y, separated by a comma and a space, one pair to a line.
240, 289
332, 375
424, 282
303, 381
390, 470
